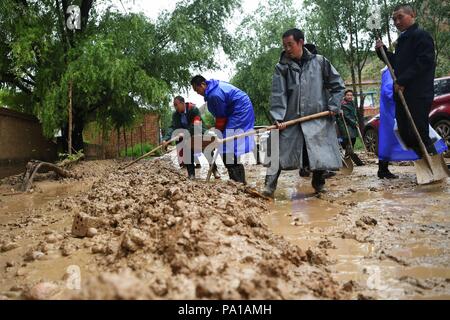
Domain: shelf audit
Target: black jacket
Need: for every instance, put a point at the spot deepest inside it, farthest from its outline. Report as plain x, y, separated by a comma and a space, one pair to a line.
414, 62
192, 113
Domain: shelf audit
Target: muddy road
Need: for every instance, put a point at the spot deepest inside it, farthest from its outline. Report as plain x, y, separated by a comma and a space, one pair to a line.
153, 234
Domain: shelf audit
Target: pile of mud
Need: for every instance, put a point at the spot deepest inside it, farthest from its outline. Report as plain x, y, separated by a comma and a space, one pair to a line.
154, 234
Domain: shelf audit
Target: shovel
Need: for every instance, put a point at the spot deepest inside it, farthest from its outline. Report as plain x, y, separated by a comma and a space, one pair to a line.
347, 159
253, 132
150, 152
429, 169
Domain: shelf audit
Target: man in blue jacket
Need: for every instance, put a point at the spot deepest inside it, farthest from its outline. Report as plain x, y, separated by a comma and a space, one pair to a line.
233, 112
414, 66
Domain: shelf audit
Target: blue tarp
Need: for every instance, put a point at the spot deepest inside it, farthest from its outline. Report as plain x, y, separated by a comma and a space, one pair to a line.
389, 147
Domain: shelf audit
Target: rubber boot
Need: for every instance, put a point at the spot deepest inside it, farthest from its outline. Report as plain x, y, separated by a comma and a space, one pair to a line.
270, 184
191, 171
356, 159
318, 181
383, 171
240, 169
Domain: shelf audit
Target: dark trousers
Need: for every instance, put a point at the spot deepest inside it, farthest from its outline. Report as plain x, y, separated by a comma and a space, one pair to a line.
235, 169
344, 143
419, 109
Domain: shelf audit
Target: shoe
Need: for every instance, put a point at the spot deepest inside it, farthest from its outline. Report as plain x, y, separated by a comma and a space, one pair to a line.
270, 185
318, 180
329, 174
237, 173
304, 172
356, 159
386, 175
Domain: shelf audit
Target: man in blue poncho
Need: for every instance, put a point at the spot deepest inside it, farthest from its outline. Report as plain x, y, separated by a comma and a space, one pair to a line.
233, 113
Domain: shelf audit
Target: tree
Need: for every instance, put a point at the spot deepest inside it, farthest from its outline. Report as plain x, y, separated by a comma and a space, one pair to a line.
257, 48
345, 22
118, 63
433, 16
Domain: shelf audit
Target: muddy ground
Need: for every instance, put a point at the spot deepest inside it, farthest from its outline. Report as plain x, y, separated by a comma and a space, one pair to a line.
156, 235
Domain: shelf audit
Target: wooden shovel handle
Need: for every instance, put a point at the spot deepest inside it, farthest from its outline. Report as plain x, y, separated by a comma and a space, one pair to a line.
150, 152
287, 123
426, 156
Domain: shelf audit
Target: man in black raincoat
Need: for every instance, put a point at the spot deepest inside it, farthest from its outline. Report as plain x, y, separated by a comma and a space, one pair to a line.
414, 66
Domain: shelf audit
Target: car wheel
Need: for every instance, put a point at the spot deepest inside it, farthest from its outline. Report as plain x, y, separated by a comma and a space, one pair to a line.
371, 140
442, 127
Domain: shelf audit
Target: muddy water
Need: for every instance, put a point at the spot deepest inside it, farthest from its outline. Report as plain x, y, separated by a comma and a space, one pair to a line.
406, 255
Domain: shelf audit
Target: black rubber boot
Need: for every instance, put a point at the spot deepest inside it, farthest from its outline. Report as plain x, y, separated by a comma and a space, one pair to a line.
383, 171
318, 180
241, 173
304, 172
270, 184
191, 171
356, 159
237, 173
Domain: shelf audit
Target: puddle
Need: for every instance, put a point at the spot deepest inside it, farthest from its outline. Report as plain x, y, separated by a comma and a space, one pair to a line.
307, 221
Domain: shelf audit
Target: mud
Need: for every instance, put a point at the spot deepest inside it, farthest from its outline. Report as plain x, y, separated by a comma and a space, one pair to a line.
158, 235
389, 237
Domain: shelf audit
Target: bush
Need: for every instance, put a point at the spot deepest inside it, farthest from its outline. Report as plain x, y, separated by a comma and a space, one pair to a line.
136, 150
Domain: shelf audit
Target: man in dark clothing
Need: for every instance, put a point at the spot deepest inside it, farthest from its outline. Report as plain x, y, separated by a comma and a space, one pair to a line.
351, 124
186, 116
414, 66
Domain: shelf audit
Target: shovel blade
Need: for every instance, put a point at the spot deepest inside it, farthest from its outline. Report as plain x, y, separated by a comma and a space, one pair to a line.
347, 165
438, 171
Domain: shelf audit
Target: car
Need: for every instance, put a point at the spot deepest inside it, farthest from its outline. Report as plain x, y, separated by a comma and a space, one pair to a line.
439, 119
441, 86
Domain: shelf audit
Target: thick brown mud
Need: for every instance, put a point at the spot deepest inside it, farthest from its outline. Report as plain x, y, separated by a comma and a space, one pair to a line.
158, 235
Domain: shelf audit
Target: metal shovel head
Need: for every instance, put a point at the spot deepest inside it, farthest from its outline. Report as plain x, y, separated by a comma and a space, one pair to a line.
438, 171
347, 165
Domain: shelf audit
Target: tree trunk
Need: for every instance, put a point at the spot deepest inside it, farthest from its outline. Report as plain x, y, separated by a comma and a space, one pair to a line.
118, 142
361, 100
131, 138
77, 134
70, 119
125, 140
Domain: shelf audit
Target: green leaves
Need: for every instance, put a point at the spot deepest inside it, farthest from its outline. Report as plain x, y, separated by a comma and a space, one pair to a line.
120, 64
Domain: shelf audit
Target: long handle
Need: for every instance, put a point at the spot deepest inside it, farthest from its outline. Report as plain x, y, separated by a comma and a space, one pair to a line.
287, 123
362, 139
408, 113
150, 152
348, 133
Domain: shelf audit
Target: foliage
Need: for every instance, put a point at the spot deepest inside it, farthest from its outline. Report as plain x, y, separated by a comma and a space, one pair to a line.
136, 150
118, 63
257, 50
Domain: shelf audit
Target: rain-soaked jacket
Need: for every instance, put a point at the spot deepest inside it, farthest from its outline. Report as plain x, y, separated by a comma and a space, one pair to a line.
226, 101
300, 90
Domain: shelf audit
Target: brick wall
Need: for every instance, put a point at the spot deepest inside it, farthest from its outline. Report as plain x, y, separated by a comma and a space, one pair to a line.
107, 147
22, 139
